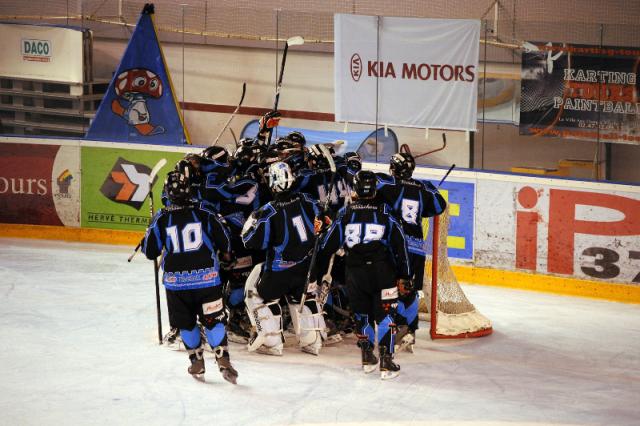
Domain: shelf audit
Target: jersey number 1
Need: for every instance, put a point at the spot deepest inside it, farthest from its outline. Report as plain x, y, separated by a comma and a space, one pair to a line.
191, 237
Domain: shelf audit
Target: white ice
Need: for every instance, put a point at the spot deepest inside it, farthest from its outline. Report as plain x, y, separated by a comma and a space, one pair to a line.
79, 346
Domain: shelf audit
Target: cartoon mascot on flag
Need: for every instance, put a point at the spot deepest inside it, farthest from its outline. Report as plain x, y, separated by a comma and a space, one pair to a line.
135, 86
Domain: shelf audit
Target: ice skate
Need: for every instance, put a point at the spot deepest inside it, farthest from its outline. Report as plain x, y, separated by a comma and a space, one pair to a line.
406, 342
196, 369
224, 364
388, 369
333, 333
172, 339
369, 360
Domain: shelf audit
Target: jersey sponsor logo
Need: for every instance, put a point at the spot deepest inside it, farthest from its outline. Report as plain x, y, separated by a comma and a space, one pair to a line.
389, 293
186, 278
212, 307
243, 262
127, 183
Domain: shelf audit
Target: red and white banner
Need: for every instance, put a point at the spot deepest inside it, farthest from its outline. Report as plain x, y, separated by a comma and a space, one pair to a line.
410, 72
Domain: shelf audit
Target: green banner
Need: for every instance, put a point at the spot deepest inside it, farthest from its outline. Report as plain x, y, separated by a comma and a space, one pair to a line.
115, 186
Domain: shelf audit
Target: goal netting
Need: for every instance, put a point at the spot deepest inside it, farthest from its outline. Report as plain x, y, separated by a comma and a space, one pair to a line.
445, 305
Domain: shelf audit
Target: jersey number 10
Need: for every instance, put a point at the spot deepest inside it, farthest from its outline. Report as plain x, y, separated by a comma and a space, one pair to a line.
190, 236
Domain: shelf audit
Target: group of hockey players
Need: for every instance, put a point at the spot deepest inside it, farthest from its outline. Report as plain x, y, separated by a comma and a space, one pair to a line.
285, 235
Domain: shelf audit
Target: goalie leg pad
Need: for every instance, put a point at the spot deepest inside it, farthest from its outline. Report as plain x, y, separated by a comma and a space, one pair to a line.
309, 325
266, 319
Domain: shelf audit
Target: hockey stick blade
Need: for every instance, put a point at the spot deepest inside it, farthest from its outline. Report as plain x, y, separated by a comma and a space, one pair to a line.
328, 156
295, 41
155, 170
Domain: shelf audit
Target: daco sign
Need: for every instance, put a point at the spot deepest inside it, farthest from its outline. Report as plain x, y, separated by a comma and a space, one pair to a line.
36, 50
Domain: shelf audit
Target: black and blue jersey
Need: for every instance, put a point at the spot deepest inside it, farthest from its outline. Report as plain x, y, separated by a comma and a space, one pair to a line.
411, 200
284, 227
191, 237
369, 233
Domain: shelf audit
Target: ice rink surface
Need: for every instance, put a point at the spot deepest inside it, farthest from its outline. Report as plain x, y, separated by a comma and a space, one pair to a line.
79, 347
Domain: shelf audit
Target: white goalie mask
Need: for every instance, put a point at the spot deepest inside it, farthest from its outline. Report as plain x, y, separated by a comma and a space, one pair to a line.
280, 177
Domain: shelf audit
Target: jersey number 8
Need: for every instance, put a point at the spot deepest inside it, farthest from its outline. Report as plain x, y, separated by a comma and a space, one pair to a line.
353, 233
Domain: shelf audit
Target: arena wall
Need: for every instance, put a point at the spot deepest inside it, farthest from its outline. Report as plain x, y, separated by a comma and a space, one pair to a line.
559, 235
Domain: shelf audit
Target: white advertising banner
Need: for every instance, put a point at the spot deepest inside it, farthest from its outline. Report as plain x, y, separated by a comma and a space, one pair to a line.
41, 52
412, 72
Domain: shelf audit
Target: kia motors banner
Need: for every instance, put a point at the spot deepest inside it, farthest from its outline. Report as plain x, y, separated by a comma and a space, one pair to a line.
410, 72
39, 184
115, 194
580, 92
41, 52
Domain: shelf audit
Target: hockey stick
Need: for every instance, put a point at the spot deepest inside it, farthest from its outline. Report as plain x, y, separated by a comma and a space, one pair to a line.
445, 176
244, 90
444, 145
325, 207
156, 268
152, 176
293, 41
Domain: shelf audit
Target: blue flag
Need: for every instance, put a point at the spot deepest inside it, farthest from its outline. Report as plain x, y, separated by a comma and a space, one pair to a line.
140, 104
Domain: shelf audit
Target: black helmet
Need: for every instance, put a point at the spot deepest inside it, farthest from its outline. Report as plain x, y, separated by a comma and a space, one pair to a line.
247, 154
317, 160
177, 188
297, 138
364, 183
190, 168
353, 160
402, 165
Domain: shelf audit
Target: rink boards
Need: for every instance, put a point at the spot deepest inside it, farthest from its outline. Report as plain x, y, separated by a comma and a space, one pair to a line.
559, 235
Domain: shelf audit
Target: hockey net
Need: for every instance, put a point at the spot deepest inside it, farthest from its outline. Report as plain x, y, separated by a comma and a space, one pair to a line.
445, 305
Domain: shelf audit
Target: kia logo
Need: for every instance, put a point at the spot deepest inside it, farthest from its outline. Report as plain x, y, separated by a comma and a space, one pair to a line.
356, 67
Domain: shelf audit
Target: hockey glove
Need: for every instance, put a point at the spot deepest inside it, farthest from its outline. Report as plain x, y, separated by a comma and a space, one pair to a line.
405, 286
269, 121
321, 224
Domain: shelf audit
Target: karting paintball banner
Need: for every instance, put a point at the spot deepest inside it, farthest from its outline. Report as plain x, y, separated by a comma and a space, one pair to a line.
580, 92
115, 195
140, 104
411, 72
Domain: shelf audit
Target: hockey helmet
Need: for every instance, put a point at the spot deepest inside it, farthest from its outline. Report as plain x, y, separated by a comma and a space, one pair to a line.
364, 183
402, 165
353, 160
297, 138
247, 154
190, 168
317, 158
177, 188
280, 177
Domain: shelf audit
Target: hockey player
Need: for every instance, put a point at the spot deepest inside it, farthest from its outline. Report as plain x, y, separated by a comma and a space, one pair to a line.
315, 180
284, 228
411, 201
192, 238
376, 262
